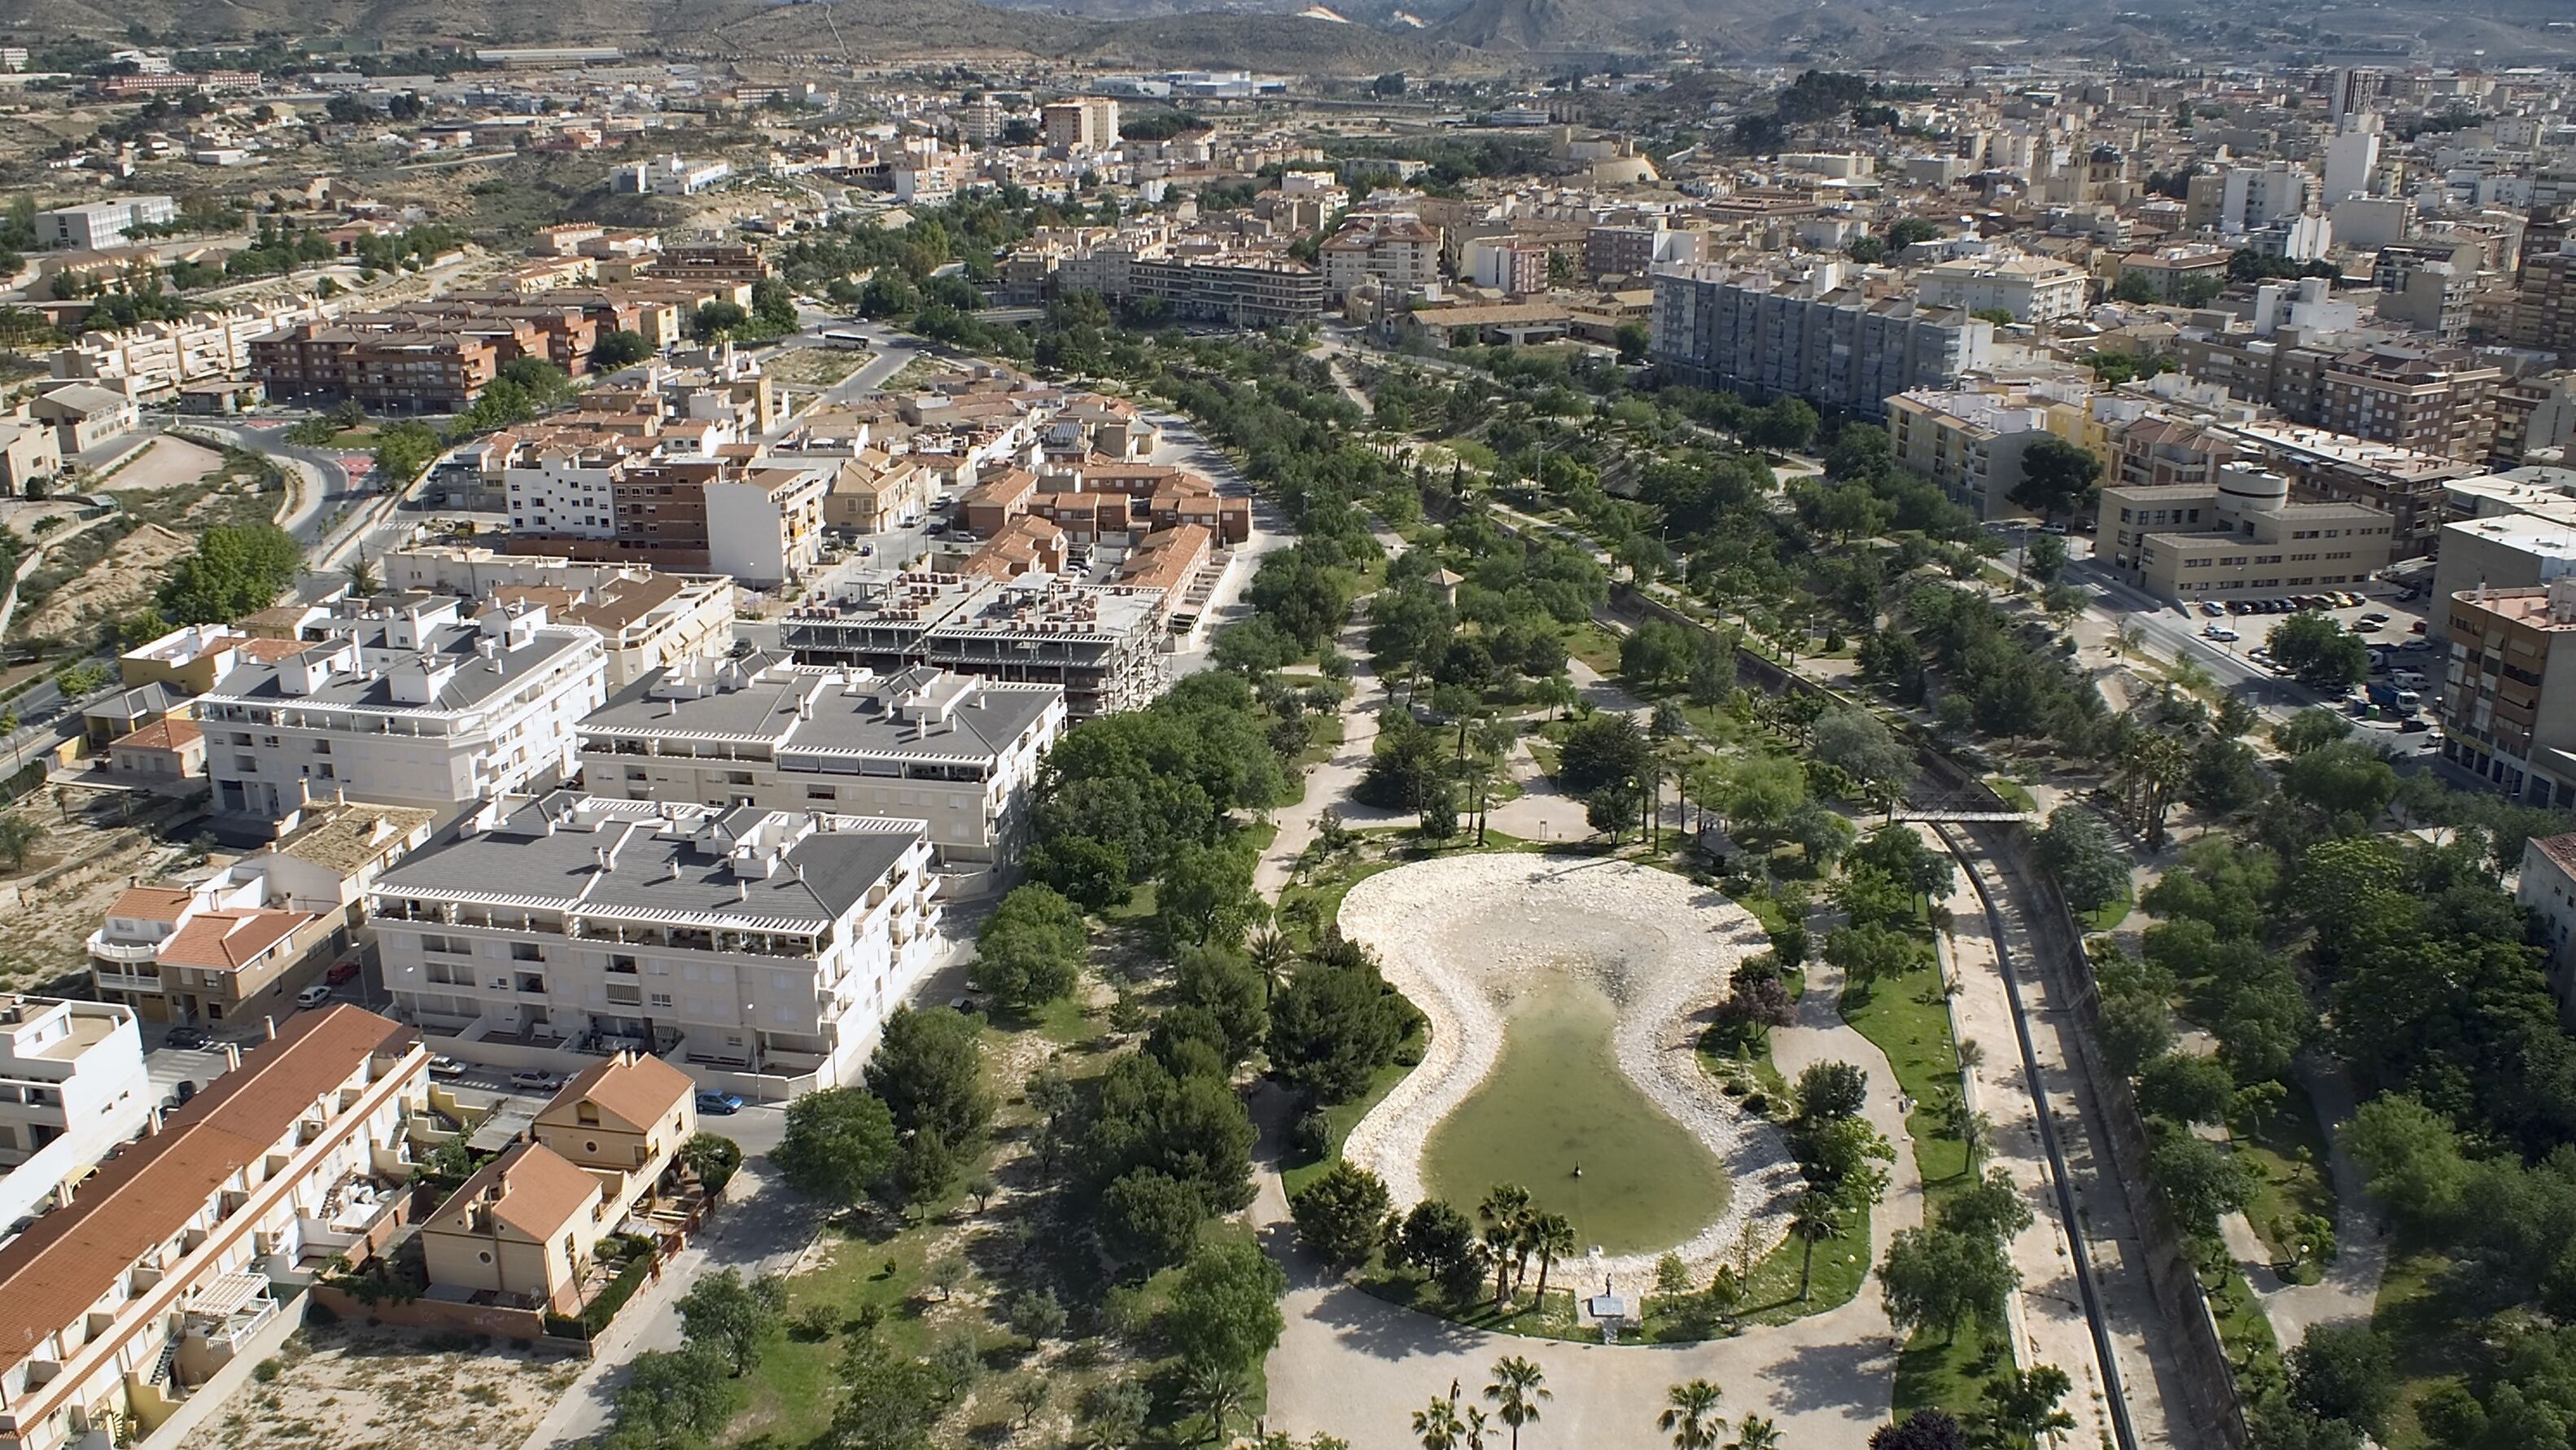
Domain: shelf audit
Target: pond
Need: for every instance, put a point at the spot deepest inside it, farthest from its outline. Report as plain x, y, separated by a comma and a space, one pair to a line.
1556, 1101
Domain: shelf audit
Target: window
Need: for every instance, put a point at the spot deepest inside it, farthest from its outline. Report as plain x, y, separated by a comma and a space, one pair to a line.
662, 1000
526, 951
821, 793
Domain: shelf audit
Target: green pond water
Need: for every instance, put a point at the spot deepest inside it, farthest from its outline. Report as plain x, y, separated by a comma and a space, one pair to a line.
1557, 1101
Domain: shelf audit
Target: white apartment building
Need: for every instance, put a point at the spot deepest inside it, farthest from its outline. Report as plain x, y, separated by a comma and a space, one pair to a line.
761, 950
152, 1288
670, 175
958, 752
72, 1087
410, 701
645, 619
151, 359
92, 225
2032, 289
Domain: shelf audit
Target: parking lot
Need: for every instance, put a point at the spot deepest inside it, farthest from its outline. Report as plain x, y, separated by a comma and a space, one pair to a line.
2390, 622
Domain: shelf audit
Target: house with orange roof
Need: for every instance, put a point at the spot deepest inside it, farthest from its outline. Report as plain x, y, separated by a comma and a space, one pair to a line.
167, 756
520, 1231
625, 1118
231, 946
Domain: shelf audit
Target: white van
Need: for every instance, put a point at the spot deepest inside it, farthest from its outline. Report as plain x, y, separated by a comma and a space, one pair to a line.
2406, 679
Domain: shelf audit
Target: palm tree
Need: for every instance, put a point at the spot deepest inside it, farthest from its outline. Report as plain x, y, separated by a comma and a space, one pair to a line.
1505, 1208
1518, 1387
1690, 1414
1756, 1433
18, 836
1553, 1237
1477, 1424
363, 578
1274, 957
1215, 1397
1499, 1239
1437, 1424
1813, 1221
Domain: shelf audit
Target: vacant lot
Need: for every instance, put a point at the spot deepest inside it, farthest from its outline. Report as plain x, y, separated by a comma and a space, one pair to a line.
348, 1387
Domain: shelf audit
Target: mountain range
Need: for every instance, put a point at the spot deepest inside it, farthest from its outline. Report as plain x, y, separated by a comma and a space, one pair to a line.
1416, 35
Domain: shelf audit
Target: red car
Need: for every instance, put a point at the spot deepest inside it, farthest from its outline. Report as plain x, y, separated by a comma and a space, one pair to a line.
341, 972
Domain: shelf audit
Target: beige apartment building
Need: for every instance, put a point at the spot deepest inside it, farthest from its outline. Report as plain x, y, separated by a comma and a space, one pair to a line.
2508, 700
2238, 536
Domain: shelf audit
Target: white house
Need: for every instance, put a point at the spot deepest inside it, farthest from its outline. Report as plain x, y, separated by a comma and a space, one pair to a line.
72, 1087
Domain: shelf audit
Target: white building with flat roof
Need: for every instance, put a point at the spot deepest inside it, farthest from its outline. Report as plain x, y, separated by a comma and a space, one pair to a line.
411, 701
91, 225
960, 752
72, 1087
761, 950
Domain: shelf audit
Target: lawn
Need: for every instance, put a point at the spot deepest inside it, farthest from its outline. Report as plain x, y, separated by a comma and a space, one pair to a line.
1595, 646
1340, 1118
2012, 793
2251, 1347
1934, 1375
2435, 1327
2287, 1150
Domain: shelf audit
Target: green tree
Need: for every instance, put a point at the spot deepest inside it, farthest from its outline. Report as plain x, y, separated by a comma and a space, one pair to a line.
236, 570
889, 1401
1690, 1416
2057, 478
2345, 1372
1223, 1315
837, 1145
929, 1069
620, 349
2346, 778
1031, 949
1813, 1219
2186, 1088
713, 1157
1518, 1390
1937, 1277
731, 1317
1152, 1216
1853, 741
2201, 1181
2310, 729
2021, 1406
2319, 652
1333, 1027
1338, 1214
2078, 850
674, 1400
1205, 894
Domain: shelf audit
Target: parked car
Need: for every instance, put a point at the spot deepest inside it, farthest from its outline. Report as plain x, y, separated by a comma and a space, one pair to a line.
342, 972
185, 1090
2376, 616
444, 1066
313, 996
713, 1104
2213, 608
2365, 626
2220, 633
191, 1039
2414, 725
531, 1080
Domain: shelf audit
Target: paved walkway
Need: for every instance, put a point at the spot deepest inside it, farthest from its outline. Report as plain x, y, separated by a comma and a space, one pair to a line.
2047, 1315
2350, 1286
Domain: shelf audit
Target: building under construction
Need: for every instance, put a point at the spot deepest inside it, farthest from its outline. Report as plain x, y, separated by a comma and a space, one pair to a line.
1102, 644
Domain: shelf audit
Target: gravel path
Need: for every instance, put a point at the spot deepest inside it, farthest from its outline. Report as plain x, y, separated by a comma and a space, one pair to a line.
1465, 935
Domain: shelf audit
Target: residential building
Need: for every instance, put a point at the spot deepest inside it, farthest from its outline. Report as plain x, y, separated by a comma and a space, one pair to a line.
72, 1090
2328, 467
1836, 346
30, 453
94, 225
2509, 699
762, 949
2242, 199
407, 701
1635, 251
520, 1231
759, 521
2547, 890
84, 416
2510, 550
1083, 123
167, 757
2237, 536
959, 752
645, 619
152, 1287
2544, 315
628, 1116
1103, 646
1971, 443
2440, 401
872, 495
2032, 289
1402, 252
2176, 274
229, 947
388, 371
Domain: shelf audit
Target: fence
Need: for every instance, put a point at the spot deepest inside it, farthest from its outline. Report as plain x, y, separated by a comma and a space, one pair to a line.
2203, 1376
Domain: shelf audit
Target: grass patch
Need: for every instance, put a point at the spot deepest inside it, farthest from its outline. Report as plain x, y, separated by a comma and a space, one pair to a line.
2288, 1152
2012, 792
1553, 1319
1909, 1019
1933, 1375
1595, 646
1340, 1118
2435, 1327
2251, 1347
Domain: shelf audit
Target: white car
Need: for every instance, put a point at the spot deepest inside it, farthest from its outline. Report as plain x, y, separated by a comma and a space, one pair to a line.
444, 1066
2220, 633
313, 996
534, 1081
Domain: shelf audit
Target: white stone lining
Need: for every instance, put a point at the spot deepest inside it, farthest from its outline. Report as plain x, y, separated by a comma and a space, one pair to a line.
1463, 935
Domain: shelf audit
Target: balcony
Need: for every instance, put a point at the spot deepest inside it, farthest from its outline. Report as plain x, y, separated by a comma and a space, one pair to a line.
105, 949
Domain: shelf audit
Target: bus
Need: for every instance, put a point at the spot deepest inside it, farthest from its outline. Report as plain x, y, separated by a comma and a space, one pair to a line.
844, 338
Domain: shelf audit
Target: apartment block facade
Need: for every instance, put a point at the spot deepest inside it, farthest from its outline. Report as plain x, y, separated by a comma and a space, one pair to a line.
1837, 347
960, 753
411, 701
72, 1088
758, 949
154, 1285
2509, 698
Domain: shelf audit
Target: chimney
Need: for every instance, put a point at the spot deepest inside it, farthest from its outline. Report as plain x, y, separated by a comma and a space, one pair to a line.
268, 1028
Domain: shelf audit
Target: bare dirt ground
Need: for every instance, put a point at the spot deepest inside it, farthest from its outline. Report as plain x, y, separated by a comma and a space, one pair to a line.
108, 589
163, 463
812, 367
42, 927
349, 1387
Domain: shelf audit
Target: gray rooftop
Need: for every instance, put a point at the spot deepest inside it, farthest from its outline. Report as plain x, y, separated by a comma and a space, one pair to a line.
916, 714
741, 866
366, 679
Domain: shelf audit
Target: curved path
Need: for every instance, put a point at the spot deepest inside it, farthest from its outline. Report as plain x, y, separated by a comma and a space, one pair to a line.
1358, 1366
